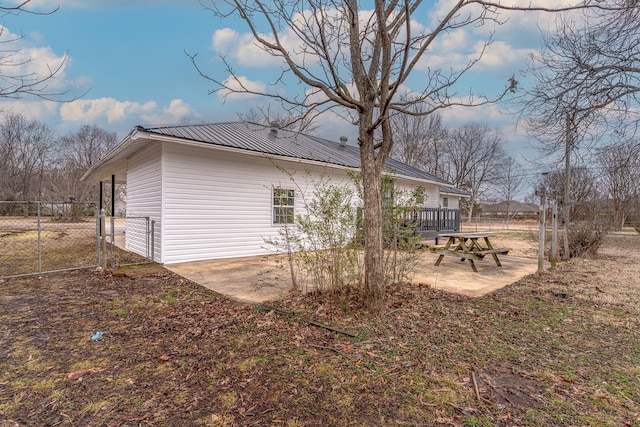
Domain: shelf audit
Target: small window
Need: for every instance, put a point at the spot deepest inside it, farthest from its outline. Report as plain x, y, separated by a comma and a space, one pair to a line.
283, 203
445, 202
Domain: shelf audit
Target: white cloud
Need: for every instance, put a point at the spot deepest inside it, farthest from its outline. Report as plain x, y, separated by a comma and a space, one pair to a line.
500, 54
241, 83
176, 111
25, 63
514, 35
20, 58
93, 110
490, 113
117, 113
332, 126
243, 48
35, 110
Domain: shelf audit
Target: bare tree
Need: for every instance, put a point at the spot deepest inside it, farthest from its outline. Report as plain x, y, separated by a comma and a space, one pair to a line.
75, 153
24, 149
419, 140
474, 153
584, 189
266, 117
585, 79
590, 69
620, 165
14, 81
355, 62
509, 182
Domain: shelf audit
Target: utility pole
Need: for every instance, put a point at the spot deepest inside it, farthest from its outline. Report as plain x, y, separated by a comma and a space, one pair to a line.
566, 200
543, 200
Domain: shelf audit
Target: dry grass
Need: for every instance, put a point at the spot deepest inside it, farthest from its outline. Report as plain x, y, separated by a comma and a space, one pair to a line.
558, 348
63, 246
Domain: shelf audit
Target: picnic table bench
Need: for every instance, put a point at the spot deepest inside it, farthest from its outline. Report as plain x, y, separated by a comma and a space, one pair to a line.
468, 246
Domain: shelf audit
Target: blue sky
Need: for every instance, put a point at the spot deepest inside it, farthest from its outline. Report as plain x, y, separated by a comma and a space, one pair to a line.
129, 57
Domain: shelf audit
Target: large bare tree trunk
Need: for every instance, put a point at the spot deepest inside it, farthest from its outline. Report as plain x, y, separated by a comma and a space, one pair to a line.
374, 286
566, 201
472, 201
374, 283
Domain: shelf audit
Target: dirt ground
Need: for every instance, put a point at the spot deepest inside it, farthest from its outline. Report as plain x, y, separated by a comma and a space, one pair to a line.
558, 348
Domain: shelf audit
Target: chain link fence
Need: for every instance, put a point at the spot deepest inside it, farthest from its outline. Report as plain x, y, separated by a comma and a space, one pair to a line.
42, 237
132, 238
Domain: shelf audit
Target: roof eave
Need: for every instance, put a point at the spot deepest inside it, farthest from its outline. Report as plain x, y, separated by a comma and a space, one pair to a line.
116, 159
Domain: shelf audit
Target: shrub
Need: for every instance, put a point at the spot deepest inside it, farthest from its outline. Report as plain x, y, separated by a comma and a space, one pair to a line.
586, 237
324, 244
318, 243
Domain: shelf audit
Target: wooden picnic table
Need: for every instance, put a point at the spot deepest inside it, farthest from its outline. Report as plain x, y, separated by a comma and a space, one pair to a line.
469, 246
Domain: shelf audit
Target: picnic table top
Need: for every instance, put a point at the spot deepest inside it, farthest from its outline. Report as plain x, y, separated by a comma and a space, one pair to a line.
467, 235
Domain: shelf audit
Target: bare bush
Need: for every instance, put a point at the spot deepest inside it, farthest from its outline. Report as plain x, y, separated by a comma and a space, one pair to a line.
585, 238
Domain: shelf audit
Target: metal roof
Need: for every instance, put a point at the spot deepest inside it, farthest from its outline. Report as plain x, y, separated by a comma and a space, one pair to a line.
454, 191
253, 138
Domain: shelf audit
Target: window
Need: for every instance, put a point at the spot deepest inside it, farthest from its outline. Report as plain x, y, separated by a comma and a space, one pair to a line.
445, 202
283, 202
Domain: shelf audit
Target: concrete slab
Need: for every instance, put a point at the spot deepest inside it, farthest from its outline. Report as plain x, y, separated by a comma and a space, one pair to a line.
264, 278
249, 279
453, 275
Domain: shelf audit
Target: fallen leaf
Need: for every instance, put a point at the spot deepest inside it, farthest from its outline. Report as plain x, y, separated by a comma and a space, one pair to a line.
79, 374
163, 358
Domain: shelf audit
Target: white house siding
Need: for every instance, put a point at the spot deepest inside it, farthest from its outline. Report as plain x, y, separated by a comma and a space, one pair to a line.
218, 204
454, 201
144, 199
430, 191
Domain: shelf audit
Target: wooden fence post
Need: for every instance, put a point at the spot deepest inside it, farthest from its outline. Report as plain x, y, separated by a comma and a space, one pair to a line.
541, 234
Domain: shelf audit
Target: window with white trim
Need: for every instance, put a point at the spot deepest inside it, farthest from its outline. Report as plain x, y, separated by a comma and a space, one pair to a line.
445, 202
283, 205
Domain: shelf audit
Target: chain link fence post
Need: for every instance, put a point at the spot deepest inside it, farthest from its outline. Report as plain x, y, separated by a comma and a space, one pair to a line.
97, 213
112, 247
103, 240
39, 224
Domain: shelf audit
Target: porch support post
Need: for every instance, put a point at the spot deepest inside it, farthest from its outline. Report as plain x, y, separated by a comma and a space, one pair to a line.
100, 205
113, 196
113, 221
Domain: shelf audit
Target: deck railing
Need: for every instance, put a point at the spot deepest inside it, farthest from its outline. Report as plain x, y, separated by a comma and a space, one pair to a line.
434, 219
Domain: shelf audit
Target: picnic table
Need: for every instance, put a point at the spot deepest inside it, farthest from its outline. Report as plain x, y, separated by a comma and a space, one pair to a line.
469, 246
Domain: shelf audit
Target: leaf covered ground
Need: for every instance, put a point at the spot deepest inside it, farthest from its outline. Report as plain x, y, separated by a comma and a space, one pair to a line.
558, 348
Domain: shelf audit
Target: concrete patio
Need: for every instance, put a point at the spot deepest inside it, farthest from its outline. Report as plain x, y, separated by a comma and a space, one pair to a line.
264, 278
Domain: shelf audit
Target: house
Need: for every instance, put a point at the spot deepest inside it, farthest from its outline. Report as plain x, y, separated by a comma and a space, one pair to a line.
220, 190
510, 209
450, 197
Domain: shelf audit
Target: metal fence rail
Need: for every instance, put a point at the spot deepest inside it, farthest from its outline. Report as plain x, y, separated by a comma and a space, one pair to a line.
44, 237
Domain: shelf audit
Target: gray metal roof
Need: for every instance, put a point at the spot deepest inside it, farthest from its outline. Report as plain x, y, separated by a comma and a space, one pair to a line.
455, 191
281, 142
252, 138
